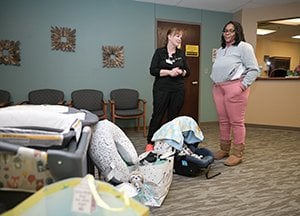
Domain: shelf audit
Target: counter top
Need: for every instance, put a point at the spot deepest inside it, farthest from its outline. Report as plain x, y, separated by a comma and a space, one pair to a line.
279, 78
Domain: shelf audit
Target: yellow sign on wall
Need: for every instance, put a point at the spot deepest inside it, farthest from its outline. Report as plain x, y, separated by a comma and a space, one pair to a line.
191, 50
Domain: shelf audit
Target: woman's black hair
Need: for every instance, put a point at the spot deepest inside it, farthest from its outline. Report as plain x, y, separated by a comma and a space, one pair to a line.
239, 33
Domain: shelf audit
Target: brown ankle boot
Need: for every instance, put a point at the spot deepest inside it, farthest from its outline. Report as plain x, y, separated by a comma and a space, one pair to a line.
236, 155
224, 150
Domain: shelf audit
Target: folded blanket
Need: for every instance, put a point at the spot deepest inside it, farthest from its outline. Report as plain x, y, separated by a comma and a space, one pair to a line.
43, 107
47, 118
53, 116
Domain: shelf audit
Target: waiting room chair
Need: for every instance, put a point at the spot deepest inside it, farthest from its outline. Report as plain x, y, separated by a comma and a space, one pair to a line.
45, 96
126, 104
91, 100
5, 99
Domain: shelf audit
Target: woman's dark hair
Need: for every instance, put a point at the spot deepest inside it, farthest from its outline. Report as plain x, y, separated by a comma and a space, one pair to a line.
239, 33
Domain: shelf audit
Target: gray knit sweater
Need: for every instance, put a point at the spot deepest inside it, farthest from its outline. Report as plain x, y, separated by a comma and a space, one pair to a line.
235, 62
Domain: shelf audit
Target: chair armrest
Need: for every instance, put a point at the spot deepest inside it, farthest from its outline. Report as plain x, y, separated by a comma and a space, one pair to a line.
105, 104
5, 104
142, 104
111, 103
62, 102
22, 102
142, 100
69, 103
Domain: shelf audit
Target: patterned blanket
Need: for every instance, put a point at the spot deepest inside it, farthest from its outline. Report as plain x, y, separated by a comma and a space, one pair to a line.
180, 130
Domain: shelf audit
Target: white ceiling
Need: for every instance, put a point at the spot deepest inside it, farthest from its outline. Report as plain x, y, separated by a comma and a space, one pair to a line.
283, 33
230, 6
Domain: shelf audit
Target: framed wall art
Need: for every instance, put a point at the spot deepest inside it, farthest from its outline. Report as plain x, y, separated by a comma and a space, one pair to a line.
63, 39
113, 56
10, 52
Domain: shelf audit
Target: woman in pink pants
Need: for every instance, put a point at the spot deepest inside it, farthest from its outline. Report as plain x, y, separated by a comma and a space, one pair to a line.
234, 70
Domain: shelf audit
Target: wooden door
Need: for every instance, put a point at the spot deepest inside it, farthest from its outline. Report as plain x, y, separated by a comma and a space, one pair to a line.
191, 36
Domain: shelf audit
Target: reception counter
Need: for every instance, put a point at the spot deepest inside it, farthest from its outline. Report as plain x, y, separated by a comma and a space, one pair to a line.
280, 78
274, 101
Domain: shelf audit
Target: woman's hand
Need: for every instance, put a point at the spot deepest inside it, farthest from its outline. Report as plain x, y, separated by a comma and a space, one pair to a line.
175, 72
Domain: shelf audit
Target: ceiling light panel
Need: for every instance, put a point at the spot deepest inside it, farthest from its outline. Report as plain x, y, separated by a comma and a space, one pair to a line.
264, 31
295, 21
296, 37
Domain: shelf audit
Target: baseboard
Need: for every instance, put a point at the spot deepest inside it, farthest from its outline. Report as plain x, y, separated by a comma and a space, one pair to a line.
256, 125
208, 123
213, 123
273, 127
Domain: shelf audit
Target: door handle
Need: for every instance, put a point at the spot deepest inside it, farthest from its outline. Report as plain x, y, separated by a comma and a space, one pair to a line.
194, 82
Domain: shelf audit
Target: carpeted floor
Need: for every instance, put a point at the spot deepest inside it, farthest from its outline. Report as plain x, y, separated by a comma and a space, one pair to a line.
267, 183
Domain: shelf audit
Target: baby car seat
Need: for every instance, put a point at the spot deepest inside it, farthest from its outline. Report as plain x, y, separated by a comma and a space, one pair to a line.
191, 160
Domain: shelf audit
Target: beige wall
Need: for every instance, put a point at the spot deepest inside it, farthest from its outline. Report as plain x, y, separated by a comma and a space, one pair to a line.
274, 102
271, 102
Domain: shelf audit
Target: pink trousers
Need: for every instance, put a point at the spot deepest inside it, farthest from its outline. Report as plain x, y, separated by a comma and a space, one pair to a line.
231, 101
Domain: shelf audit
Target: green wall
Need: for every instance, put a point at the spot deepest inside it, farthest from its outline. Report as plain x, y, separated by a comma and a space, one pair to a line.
98, 23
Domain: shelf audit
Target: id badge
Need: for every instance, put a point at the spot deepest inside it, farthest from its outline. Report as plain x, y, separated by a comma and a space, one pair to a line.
169, 61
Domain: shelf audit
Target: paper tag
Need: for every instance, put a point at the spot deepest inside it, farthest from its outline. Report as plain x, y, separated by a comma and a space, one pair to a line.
83, 201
